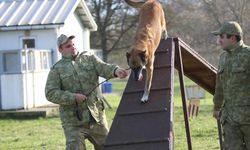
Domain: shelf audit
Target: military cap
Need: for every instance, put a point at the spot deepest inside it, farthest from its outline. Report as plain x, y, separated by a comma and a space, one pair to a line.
230, 28
63, 38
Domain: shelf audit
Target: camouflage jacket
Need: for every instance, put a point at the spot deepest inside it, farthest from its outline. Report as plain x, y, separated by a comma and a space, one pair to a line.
233, 84
69, 76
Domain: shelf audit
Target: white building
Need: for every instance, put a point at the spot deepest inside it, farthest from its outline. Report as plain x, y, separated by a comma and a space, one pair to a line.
28, 45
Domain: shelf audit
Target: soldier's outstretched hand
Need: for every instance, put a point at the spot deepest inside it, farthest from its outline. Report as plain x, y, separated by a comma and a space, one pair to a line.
121, 73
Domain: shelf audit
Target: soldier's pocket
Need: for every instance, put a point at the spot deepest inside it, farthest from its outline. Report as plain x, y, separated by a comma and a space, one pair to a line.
87, 72
242, 110
66, 79
65, 76
239, 75
82, 115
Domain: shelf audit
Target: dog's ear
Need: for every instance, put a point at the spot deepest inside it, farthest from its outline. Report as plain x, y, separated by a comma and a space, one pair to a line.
143, 56
128, 55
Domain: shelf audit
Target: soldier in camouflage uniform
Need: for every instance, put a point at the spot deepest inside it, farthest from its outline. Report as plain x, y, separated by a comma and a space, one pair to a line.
68, 83
232, 97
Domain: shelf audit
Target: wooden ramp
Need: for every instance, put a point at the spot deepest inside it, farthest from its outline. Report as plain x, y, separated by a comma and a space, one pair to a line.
195, 67
149, 126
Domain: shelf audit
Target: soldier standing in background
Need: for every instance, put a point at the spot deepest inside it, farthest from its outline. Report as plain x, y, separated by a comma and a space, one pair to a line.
68, 84
232, 91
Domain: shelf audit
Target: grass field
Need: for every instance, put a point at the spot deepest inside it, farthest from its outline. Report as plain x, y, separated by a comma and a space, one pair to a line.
47, 133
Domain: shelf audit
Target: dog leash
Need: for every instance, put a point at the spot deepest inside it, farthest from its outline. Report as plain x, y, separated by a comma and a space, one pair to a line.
101, 84
78, 110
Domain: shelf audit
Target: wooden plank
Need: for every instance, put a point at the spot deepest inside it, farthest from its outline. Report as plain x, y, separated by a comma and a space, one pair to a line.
146, 126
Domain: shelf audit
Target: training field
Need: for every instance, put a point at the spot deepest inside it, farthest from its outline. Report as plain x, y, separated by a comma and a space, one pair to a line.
47, 133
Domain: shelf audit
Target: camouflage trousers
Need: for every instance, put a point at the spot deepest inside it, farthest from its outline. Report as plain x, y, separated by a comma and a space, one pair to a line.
96, 133
236, 137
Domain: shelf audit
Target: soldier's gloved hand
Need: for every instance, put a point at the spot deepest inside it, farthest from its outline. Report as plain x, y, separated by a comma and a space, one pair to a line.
80, 98
216, 114
121, 73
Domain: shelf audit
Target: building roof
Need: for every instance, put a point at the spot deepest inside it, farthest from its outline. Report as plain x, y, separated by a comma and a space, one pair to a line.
23, 14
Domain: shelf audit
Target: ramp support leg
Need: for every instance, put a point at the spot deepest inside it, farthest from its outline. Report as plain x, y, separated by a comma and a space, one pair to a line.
183, 95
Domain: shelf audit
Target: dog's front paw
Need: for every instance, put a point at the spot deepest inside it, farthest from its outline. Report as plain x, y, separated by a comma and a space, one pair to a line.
144, 99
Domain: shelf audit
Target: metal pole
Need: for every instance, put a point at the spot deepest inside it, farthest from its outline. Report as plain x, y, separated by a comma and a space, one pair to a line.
26, 77
178, 58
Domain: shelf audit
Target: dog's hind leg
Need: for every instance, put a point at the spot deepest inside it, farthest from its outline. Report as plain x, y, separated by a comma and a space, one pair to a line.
147, 87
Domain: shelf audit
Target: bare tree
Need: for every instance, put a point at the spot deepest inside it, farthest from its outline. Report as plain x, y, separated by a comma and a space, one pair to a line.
191, 20
226, 10
114, 20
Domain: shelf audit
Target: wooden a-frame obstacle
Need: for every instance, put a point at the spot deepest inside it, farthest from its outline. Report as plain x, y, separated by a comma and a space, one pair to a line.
149, 126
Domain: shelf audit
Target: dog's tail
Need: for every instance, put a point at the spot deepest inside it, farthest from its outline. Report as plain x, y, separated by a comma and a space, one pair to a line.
136, 4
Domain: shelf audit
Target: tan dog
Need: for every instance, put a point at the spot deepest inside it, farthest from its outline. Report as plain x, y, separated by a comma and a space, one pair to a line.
151, 26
